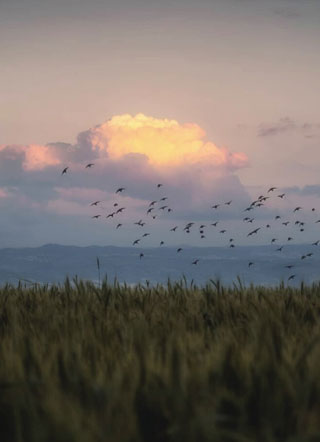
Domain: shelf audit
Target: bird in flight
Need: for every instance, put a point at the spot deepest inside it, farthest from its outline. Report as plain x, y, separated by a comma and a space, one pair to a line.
121, 189
228, 203
159, 185
111, 215
136, 241
215, 224
88, 166
141, 255
179, 249
195, 262
96, 216
297, 209
119, 225
250, 264
286, 223
215, 206
281, 195
161, 243
279, 249
95, 203
316, 243
173, 229
64, 170
272, 189
291, 277
152, 203
290, 266
145, 234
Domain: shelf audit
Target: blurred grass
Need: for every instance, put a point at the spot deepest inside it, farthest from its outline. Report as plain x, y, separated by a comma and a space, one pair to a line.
167, 363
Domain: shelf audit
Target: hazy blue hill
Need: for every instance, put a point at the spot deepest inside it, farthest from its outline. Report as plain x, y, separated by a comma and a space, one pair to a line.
51, 263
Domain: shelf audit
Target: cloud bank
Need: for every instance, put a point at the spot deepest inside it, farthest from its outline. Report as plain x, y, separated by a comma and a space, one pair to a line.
135, 152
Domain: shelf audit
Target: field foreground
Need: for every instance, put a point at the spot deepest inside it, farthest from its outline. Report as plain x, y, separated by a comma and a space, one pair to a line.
169, 363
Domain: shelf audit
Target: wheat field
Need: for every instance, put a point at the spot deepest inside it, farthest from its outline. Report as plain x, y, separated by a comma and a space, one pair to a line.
80, 363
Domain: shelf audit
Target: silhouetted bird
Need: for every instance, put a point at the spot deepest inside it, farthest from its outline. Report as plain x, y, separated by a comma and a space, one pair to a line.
309, 255
290, 239
64, 170
164, 198
277, 217
297, 209
195, 262
215, 206
141, 255
96, 216
163, 207
159, 185
161, 243
279, 249
273, 240
179, 249
120, 210
150, 210
255, 231
136, 242
88, 166
291, 277
111, 215
115, 205
119, 225
173, 229
286, 223
250, 264
272, 189
215, 224
121, 189
223, 231
281, 196
316, 243
95, 203
268, 226
145, 234
313, 209
290, 266
152, 203
228, 203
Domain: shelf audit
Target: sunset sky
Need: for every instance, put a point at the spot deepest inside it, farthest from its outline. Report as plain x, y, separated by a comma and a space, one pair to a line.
217, 99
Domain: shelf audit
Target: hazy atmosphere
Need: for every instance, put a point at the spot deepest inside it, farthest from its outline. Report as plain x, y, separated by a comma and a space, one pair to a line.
216, 100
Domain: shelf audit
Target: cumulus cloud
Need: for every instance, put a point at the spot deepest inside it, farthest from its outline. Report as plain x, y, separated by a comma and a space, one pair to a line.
131, 151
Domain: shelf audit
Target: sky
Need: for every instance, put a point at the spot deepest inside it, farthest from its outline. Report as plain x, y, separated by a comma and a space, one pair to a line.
217, 99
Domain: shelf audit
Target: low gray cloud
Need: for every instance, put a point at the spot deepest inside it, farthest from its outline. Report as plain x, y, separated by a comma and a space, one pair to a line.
288, 125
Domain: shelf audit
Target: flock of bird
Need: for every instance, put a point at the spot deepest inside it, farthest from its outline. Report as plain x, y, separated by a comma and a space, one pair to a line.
156, 206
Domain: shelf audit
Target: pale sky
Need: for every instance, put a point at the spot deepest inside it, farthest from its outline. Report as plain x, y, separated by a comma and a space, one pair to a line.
245, 72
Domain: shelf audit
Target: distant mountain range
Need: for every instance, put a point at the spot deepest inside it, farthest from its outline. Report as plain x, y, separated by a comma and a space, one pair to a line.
51, 263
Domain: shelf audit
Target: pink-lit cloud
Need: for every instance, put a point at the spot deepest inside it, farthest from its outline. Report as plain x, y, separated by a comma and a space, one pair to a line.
135, 152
